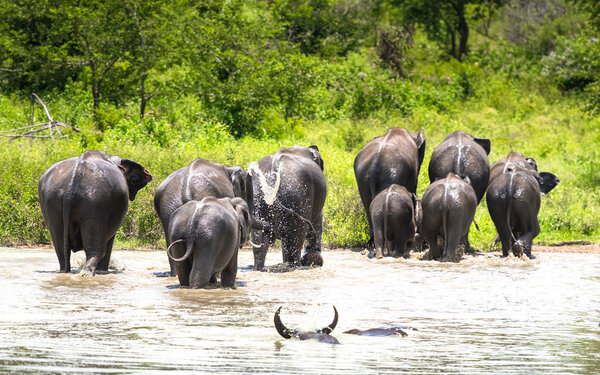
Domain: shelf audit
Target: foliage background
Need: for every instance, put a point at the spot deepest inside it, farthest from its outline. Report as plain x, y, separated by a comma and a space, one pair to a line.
231, 81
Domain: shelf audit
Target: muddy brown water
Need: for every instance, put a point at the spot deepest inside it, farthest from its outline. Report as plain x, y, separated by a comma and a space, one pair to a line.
483, 315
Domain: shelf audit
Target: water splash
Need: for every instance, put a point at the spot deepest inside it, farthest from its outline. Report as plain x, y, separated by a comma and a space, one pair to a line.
269, 193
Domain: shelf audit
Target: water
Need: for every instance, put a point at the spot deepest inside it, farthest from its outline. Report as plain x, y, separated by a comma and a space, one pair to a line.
484, 315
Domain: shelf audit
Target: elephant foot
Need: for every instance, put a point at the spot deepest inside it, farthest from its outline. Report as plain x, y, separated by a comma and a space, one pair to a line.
86, 273
312, 259
378, 254
517, 249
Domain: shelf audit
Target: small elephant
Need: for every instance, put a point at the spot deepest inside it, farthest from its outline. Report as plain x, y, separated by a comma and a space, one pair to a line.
513, 200
289, 194
321, 335
393, 216
201, 178
84, 201
449, 207
205, 237
465, 156
393, 158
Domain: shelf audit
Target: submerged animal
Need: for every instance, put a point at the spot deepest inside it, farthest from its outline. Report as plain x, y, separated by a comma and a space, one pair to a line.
321, 335
381, 331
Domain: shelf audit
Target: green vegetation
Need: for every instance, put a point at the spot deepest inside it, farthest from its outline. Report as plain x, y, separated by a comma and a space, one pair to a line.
164, 83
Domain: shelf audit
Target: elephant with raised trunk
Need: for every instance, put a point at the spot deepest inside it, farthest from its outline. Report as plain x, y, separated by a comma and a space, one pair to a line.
393, 215
205, 237
289, 194
449, 207
84, 201
465, 156
393, 158
513, 199
200, 179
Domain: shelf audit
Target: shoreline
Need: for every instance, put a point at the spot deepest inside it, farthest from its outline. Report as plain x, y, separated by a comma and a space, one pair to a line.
583, 247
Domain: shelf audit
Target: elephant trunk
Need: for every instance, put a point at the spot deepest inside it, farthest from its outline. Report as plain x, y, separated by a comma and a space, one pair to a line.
188, 252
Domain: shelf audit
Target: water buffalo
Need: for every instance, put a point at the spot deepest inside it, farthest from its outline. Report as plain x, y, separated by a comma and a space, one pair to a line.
84, 200
321, 335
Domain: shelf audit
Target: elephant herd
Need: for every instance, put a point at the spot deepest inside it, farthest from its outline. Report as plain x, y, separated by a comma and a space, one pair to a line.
208, 210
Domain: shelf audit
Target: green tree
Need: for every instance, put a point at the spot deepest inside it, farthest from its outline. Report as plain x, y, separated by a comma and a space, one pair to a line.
443, 20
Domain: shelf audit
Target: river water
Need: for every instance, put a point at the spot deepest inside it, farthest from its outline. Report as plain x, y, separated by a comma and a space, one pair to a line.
483, 315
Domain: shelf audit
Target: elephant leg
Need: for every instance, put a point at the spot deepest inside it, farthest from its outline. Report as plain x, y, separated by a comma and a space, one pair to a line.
229, 273
57, 235
104, 262
291, 243
94, 250
525, 240
378, 239
260, 253
312, 252
366, 198
499, 217
202, 268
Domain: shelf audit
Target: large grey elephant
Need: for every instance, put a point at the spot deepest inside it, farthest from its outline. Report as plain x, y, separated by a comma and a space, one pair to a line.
84, 200
289, 194
393, 158
204, 239
513, 200
449, 207
465, 156
393, 215
200, 179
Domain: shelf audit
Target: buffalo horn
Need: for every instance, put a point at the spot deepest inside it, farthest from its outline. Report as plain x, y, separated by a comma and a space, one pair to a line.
281, 329
327, 330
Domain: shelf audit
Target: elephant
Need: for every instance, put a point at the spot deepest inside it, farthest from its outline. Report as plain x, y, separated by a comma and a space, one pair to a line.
448, 209
513, 200
511, 160
393, 158
201, 178
321, 335
289, 194
465, 156
393, 215
418, 243
204, 239
84, 201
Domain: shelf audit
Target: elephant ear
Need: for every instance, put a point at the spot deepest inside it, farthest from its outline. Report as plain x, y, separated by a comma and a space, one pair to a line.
244, 219
420, 142
237, 176
135, 174
316, 156
485, 143
547, 181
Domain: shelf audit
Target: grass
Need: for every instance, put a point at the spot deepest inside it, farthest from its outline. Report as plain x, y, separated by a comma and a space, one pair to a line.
528, 116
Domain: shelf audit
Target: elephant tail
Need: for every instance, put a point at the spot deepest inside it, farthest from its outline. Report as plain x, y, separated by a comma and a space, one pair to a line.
445, 218
67, 203
189, 246
509, 198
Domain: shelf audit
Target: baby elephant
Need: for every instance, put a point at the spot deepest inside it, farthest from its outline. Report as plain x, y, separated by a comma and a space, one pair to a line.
205, 237
448, 210
392, 215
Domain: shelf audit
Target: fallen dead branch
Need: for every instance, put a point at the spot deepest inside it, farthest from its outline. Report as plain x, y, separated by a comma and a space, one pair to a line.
32, 131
